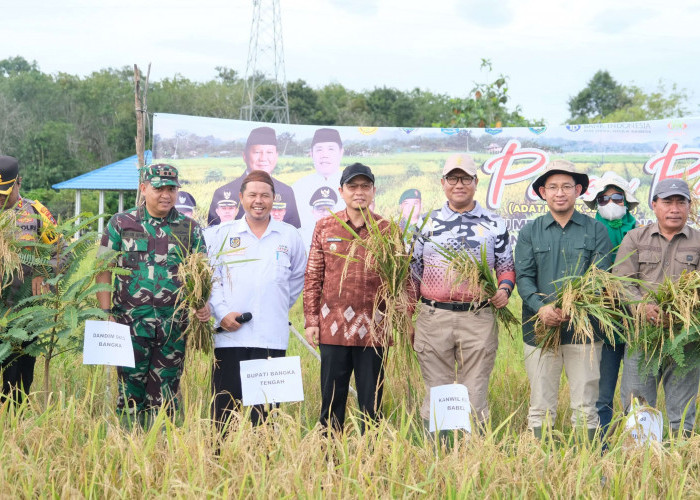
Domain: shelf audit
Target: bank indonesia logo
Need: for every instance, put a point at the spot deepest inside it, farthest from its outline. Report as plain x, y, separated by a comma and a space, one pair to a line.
573, 128
537, 130
493, 131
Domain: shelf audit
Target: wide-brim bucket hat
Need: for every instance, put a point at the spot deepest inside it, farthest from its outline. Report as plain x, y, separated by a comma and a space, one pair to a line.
601, 185
560, 167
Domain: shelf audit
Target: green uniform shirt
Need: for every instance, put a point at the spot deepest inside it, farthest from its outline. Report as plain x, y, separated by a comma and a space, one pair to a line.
152, 248
546, 252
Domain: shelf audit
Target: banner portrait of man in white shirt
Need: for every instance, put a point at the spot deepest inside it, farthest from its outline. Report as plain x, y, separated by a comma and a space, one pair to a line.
326, 153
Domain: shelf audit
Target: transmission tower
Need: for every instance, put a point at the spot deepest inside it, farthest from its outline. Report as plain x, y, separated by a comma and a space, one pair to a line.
265, 92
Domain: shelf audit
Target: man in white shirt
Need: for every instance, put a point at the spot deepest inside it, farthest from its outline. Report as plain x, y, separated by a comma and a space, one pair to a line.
259, 269
326, 153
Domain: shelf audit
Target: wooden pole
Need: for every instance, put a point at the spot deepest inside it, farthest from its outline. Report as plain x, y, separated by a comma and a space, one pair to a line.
141, 109
138, 106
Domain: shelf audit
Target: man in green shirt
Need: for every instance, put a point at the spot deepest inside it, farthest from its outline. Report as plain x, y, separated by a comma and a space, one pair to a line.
562, 243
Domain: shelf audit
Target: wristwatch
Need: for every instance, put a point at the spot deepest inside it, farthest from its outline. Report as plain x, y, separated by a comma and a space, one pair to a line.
507, 290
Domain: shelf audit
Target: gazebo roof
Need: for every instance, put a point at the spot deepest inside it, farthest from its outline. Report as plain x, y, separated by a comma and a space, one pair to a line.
122, 175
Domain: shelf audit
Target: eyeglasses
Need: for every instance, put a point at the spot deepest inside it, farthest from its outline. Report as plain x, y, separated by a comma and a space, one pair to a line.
603, 199
566, 188
452, 180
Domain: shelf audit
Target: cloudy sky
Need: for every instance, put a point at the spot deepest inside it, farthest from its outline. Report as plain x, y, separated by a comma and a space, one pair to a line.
549, 49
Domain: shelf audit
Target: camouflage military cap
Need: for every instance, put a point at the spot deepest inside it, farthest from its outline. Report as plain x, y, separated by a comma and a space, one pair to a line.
159, 175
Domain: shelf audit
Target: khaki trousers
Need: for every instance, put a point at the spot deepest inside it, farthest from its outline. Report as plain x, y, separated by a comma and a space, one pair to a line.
457, 346
582, 365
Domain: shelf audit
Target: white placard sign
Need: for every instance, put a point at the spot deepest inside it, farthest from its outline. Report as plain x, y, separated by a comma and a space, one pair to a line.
107, 343
272, 380
449, 408
645, 424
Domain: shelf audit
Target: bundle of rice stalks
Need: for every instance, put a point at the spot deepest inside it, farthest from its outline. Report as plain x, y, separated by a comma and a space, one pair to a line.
677, 327
694, 214
592, 299
388, 255
10, 257
195, 273
465, 267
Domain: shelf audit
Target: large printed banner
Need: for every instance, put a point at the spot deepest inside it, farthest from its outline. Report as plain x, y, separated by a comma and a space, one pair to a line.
305, 161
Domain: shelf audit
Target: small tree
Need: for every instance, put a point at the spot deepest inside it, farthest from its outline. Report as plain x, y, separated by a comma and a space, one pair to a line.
486, 106
604, 100
52, 321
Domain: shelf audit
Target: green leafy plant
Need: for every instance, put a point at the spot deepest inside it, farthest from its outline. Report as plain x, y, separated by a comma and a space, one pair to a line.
52, 320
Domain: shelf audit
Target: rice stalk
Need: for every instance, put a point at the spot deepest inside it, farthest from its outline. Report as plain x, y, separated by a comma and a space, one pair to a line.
388, 255
464, 267
10, 258
694, 209
196, 276
678, 325
592, 301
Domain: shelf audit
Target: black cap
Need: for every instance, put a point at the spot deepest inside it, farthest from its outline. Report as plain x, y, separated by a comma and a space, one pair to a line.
9, 170
261, 135
323, 196
326, 135
185, 201
353, 171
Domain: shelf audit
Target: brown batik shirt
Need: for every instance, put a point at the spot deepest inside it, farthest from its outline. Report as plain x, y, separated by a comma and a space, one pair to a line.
341, 307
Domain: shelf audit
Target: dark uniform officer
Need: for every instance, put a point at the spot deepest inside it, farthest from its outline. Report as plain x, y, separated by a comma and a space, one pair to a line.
35, 223
260, 154
154, 238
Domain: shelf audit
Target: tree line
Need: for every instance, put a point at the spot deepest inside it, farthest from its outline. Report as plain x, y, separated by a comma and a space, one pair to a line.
61, 125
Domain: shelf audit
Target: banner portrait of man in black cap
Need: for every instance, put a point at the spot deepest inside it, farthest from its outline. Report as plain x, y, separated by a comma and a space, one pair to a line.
260, 154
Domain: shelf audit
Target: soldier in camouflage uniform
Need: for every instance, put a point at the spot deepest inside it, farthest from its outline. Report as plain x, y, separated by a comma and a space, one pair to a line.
35, 223
153, 239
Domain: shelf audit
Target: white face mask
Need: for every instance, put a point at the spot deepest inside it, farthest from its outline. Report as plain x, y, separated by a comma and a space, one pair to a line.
612, 211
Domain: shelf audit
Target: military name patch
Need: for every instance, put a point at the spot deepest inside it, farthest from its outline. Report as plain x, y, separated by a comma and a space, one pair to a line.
334, 239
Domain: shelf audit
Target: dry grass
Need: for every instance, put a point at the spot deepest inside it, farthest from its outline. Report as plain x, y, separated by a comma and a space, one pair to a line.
195, 273
10, 260
679, 329
465, 267
74, 449
591, 301
694, 208
387, 254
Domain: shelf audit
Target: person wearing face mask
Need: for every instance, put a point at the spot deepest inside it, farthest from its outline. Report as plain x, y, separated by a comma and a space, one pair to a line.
613, 200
